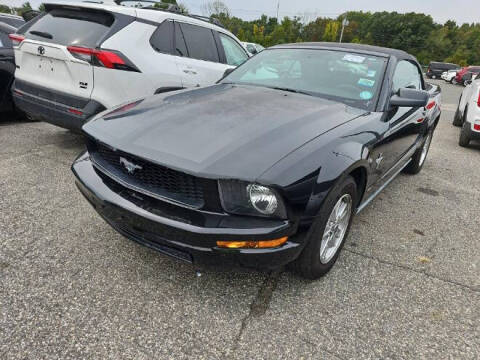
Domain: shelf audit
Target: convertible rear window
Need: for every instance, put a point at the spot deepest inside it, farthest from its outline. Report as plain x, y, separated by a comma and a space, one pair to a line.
352, 78
71, 27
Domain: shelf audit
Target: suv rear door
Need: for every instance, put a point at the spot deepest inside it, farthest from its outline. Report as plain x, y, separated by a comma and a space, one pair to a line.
43, 58
197, 55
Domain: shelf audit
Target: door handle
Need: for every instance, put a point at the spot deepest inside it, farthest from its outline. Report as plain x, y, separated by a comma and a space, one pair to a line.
189, 71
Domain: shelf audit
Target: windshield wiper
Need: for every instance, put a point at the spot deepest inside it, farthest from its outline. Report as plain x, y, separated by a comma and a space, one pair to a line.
41, 34
292, 90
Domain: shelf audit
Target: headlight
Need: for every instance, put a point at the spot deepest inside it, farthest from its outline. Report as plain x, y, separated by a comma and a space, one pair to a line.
239, 197
262, 199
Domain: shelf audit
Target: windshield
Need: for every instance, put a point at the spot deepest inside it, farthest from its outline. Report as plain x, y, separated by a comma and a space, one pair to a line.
354, 79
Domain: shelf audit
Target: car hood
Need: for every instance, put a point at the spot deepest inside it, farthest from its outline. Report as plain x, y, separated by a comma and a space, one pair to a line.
221, 131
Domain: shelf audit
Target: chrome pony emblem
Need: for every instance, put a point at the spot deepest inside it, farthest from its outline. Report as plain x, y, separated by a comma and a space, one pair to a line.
41, 50
129, 166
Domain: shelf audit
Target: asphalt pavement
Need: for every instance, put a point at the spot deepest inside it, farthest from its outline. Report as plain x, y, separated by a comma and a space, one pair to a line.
406, 286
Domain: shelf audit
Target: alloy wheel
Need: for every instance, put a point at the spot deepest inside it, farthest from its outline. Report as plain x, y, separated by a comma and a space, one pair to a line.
425, 148
336, 228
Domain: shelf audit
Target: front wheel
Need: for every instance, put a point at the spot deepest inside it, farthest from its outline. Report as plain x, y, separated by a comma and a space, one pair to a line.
419, 157
327, 234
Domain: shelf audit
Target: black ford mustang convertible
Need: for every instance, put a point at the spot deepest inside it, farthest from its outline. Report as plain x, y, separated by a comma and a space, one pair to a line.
267, 167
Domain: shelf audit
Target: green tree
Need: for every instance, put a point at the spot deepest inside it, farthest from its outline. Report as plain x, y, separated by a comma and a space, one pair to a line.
5, 9
331, 31
24, 8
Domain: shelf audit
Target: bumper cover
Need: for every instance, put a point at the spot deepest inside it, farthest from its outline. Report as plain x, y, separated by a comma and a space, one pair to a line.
474, 135
186, 234
71, 113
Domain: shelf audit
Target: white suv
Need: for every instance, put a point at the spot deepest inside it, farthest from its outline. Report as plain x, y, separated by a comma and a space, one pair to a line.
468, 113
78, 59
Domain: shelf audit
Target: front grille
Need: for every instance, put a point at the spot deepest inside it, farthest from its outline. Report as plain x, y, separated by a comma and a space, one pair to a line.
149, 178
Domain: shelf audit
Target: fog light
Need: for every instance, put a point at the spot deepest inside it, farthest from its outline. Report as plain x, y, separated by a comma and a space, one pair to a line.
252, 244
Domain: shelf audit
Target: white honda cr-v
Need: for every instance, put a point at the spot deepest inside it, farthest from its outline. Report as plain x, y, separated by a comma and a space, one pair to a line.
79, 58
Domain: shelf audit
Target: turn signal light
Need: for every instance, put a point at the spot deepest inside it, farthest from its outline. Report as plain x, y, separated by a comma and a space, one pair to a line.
263, 244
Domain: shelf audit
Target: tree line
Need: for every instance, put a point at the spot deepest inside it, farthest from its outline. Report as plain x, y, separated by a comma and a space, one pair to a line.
415, 33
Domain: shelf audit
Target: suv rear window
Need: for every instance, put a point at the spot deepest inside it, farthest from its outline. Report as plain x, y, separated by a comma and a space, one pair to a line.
162, 38
71, 27
200, 42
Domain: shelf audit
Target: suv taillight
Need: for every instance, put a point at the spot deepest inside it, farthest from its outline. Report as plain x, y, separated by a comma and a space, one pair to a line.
478, 101
103, 58
16, 39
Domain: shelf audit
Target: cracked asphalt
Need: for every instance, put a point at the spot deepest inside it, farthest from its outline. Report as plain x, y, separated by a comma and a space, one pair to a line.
406, 286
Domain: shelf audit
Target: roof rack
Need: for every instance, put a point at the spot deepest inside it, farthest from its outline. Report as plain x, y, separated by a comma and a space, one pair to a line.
207, 19
173, 9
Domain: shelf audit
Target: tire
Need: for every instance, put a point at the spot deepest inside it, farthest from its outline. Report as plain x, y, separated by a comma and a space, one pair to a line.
457, 119
464, 139
310, 263
420, 156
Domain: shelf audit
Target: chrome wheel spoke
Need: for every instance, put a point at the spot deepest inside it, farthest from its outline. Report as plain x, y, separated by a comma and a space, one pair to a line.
336, 228
342, 210
426, 147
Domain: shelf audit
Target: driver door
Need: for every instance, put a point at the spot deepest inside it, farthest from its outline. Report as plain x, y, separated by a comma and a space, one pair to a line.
405, 124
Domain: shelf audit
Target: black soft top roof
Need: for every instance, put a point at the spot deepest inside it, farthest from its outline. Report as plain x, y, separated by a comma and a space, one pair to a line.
358, 48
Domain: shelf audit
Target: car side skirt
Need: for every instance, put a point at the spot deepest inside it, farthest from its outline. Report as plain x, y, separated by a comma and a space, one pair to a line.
381, 188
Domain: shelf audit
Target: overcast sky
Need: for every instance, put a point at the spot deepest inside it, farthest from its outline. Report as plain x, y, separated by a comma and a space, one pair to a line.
441, 10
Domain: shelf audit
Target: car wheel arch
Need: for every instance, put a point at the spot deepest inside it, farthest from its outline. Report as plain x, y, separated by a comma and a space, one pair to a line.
358, 170
360, 176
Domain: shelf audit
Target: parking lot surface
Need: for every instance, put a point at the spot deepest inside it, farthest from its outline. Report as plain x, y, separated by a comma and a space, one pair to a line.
406, 286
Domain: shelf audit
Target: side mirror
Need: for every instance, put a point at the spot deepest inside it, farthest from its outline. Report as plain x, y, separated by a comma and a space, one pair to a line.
409, 98
253, 51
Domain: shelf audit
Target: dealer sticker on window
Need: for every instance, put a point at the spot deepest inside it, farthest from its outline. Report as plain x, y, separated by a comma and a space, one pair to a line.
354, 58
366, 95
366, 82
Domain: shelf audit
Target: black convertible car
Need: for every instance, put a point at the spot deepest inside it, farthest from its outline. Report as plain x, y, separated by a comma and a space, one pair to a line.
268, 166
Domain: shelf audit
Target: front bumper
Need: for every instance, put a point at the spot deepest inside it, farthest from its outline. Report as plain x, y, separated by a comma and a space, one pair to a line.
62, 110
474, 135
186, 234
